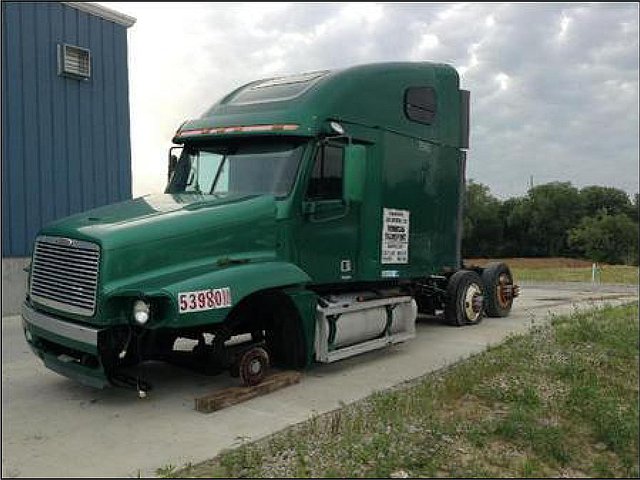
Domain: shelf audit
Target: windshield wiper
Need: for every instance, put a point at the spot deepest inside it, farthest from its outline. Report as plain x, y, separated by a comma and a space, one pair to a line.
218, 173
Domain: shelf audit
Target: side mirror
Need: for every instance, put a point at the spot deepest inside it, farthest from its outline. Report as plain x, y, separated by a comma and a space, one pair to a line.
173, 161
354, 172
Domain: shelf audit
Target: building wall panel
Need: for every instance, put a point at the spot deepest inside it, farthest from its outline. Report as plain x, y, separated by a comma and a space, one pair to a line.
65, 142
30, 123
97, 114
45, 63
13, 128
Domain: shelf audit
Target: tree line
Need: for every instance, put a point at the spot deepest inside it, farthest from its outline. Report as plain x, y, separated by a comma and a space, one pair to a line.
554, 219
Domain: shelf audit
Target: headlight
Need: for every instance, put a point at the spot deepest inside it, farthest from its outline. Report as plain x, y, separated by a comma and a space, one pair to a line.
337, 128
141, 311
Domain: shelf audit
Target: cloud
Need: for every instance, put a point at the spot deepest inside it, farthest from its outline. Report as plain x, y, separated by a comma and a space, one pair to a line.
554, 87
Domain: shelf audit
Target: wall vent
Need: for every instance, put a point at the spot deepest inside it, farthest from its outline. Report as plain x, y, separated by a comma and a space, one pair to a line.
74, 61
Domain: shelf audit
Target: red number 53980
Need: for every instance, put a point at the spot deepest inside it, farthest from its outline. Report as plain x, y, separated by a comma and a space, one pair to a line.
204, 300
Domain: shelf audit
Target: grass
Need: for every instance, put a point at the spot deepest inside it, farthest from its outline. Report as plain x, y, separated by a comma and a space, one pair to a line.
620, 274
559, 401
564, 270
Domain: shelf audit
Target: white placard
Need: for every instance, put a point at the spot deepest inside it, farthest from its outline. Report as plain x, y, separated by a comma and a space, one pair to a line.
200, 300
395, 236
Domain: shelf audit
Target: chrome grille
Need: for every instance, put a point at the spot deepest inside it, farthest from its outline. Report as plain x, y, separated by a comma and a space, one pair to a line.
64, 274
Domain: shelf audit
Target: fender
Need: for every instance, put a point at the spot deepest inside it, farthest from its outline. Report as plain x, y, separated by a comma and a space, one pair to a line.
240, 280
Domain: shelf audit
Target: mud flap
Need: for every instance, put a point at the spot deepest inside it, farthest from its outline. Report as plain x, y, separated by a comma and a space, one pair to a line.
305, 302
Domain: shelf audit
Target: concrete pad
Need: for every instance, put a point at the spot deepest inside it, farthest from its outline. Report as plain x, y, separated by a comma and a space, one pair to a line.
14, 284
53, 427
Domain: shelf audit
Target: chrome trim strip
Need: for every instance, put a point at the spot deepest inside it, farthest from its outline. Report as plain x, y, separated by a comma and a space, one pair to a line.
339, 308
65, 307
69, 330
64, 241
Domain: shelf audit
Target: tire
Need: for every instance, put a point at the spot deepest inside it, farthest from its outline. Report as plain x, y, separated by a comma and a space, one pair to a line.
464, 299
497, 299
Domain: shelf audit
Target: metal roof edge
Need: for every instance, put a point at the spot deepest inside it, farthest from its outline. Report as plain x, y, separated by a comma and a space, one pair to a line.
103, 12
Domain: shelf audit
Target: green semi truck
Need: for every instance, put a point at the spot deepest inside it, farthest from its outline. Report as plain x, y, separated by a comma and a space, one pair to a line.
306, 219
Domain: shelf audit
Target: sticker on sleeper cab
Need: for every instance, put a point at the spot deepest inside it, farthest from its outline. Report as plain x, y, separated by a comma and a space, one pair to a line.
204, 300
395, 236
390, 274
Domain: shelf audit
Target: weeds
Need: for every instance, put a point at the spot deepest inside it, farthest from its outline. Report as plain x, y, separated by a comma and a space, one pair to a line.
561, 400
166, 471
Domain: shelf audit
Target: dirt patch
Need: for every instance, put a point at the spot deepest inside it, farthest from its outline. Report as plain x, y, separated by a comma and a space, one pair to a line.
543, 262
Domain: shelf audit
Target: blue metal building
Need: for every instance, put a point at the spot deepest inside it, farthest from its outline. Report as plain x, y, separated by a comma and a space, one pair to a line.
65, 114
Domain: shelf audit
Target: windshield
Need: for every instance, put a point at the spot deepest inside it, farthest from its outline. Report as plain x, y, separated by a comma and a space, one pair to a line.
257, 166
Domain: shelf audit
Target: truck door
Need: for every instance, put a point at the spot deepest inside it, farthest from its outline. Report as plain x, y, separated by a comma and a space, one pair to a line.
328, 235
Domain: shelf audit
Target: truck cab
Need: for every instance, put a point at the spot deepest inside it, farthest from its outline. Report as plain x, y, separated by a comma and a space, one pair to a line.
311, 215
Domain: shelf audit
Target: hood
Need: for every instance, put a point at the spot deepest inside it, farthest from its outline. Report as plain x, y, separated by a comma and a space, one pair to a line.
171, 232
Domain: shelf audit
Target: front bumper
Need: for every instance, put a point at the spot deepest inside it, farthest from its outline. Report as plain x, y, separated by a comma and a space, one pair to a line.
65, 347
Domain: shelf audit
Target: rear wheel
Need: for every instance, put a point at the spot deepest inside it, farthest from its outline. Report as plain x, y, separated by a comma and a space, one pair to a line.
464, 304
499, 290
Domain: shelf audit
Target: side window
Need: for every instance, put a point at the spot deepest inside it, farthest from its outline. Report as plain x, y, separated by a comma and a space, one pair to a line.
326, 176
420, 104
204, 166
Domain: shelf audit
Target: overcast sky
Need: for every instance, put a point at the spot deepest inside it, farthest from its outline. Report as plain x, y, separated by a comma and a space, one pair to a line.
554, 87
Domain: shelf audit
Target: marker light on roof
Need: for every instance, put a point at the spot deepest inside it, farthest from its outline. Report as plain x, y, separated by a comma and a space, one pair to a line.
238, 129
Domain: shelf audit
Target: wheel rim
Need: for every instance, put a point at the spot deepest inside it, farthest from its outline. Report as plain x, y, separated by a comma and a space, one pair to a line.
472, 306
253, 366
504, 291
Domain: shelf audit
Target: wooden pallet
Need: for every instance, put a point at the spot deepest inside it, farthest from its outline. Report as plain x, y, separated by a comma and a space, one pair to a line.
234, 395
